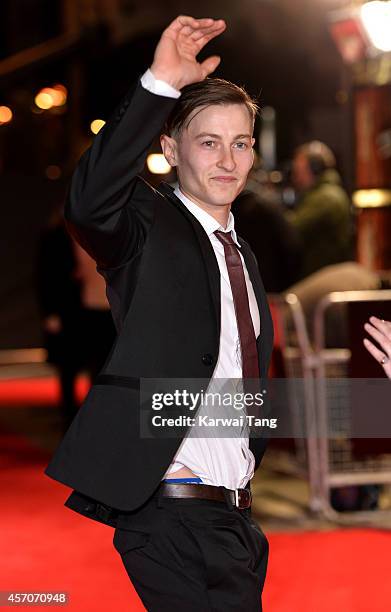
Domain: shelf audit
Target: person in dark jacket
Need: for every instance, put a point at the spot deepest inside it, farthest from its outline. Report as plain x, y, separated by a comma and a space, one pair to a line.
190, 309
274, 241
322, 216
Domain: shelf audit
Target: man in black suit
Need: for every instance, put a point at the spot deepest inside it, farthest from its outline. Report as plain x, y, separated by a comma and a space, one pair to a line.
188, 304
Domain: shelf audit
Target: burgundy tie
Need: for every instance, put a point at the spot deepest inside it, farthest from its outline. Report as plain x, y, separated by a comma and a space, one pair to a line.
250, 364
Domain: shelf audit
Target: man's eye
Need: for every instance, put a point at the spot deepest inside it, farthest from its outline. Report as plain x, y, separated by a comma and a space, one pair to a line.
208, 143
241, 145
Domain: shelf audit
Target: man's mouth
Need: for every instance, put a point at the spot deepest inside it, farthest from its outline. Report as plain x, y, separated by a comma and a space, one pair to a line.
224, 179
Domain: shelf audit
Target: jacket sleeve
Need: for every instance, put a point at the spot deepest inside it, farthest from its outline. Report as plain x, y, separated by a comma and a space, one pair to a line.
98, 209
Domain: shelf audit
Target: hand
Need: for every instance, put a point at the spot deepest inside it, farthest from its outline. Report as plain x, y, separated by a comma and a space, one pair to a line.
175, 55
380, 330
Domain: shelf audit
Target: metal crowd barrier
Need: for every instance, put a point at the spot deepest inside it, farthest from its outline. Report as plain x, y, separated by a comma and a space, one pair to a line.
327, 461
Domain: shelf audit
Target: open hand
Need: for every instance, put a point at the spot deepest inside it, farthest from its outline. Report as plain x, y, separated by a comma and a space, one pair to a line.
380, 330
175, 55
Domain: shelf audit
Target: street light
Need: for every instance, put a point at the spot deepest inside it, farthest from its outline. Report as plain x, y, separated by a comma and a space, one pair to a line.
5, 115
157, 164
376, 18
96, 125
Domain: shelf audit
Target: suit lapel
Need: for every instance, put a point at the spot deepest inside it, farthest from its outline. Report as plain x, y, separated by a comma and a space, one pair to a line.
210, 260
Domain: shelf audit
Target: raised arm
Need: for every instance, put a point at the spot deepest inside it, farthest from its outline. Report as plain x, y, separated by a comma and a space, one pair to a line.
99, 210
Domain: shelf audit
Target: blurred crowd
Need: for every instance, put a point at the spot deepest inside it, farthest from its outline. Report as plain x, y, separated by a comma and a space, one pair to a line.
314, 231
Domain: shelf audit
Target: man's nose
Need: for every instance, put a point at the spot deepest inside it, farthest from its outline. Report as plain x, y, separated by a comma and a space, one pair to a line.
226, 161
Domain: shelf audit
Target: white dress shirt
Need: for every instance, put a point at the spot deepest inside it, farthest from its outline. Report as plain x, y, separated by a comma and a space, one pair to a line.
217, 460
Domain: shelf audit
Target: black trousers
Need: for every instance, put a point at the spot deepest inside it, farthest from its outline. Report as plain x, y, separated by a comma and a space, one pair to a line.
193, 555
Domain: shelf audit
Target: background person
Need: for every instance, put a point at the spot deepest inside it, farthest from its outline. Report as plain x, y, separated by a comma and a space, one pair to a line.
274, 241
322, 216
58, 296
77, 325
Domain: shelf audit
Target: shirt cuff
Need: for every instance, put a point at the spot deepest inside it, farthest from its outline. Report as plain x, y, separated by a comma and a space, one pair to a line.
158, 87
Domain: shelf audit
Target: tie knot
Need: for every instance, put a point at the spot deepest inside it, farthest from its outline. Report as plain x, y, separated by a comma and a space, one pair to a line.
225, 238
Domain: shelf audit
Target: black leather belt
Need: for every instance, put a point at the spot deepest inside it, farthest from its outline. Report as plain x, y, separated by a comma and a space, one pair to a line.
240, 498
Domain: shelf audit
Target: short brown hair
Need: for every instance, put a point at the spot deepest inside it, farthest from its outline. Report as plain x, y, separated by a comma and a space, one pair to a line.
206, 93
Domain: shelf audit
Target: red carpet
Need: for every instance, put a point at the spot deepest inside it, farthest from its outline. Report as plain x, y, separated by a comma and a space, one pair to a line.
339, 571
37, 391
47, 547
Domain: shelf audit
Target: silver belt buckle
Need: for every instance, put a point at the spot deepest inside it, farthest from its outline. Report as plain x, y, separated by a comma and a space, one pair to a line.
243, 498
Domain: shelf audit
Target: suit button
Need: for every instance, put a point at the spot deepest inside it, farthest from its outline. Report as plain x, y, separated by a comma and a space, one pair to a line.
90, 508
207, 359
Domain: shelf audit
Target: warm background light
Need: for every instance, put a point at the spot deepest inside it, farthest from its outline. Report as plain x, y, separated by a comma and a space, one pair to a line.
276, 176
53, 172
59, 94
5, 114
372, 198
376, 17
96, 125
43, 100
48, 97
157, 164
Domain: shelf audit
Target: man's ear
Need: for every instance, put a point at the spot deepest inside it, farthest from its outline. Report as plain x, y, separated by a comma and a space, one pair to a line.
170, 149
252, 151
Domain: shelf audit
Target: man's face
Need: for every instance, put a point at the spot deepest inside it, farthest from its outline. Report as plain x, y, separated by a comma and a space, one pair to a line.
213, 154
302, 176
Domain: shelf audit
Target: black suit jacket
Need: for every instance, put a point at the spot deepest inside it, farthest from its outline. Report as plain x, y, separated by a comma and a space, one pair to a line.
163, 285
